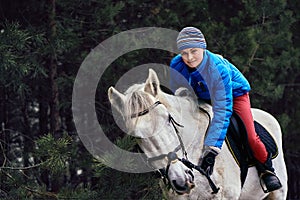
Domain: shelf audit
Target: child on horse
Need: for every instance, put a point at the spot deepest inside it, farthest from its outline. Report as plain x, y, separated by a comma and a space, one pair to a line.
215, 79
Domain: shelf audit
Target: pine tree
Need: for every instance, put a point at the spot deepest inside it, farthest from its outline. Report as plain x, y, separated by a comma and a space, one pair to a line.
43, 44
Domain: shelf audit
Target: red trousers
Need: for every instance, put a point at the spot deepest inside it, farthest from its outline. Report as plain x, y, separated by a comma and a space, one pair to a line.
242, 106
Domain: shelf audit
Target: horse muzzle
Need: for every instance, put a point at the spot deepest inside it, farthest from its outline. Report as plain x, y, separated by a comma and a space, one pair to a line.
185, 189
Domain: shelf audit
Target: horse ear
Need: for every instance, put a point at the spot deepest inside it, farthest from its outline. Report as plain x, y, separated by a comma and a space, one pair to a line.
152, 83
116, 99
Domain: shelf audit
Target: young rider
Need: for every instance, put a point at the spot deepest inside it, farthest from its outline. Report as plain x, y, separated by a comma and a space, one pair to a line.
215, 79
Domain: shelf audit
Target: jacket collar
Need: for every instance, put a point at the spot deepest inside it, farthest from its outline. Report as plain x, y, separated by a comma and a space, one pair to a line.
204, 61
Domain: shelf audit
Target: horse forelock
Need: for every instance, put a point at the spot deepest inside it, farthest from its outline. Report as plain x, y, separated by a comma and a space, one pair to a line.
137, 100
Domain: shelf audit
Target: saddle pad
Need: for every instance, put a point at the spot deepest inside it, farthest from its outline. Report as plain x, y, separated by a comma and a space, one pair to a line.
268, 139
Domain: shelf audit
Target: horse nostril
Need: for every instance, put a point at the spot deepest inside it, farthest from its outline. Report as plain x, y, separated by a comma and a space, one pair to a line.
191, 185
185, 189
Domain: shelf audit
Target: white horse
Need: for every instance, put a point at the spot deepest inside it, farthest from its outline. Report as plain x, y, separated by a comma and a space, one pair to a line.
156, 116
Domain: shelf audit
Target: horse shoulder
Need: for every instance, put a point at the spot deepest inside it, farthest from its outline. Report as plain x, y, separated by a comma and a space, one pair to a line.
229, 174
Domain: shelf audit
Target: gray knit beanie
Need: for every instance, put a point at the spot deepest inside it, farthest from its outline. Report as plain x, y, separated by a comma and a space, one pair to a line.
190, 37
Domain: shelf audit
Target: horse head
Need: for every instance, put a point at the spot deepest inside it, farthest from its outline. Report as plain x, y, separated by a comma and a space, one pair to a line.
152, 116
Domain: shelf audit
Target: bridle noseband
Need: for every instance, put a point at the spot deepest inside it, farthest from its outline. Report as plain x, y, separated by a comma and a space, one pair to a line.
172, 156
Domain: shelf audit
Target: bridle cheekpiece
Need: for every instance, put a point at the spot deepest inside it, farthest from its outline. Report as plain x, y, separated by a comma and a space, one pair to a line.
172, 156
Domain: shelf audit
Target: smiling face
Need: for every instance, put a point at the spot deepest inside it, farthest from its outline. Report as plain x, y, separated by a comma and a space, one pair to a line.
192, 57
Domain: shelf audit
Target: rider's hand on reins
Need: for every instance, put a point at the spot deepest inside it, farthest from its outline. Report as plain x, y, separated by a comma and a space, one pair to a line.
207, 160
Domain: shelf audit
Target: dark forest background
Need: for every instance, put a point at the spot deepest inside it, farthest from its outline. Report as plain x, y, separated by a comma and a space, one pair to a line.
43, 43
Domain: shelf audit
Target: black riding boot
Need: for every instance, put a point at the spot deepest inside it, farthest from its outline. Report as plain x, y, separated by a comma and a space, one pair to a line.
267, 174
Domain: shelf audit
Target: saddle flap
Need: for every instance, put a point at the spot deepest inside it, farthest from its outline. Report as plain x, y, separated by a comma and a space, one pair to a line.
237, 142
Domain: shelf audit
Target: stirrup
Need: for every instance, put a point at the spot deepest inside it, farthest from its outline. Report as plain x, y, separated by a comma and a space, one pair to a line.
262, 183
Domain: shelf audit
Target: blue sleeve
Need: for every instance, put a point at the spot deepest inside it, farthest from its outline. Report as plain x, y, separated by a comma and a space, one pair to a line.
220, 87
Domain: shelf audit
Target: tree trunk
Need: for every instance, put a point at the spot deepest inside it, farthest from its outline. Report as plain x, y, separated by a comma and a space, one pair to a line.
28, 142
54, 102
54, 181
3, 136
43, 110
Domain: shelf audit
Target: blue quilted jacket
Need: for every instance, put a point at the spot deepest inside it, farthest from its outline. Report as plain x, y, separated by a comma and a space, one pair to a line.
217, 80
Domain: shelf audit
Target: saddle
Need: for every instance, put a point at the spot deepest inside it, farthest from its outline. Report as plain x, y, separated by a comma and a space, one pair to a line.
237, 142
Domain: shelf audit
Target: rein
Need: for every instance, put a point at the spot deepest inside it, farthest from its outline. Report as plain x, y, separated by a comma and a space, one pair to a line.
172, 156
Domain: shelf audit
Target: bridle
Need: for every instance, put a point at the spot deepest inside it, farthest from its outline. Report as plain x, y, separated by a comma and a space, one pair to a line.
172, 156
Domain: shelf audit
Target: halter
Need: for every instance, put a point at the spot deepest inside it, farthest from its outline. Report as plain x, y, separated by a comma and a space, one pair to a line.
172, 156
